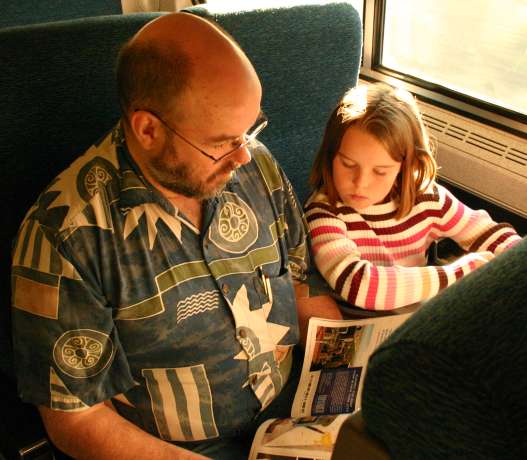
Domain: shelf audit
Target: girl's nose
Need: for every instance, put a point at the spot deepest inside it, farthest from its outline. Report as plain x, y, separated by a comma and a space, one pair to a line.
360, 180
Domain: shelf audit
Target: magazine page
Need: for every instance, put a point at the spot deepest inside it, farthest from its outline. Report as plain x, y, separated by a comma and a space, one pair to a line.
335, 360
297, 438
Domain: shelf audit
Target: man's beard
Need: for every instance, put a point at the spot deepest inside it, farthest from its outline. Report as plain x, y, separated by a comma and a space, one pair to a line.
178, 178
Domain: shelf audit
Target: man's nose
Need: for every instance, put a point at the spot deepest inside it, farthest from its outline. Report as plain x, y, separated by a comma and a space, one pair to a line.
242, 156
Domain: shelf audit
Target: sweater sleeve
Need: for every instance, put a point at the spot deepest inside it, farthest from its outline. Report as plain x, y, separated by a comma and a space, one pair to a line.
367, 285
473, 230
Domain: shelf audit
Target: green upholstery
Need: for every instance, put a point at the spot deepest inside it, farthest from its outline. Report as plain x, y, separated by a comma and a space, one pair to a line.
451, 381
24, 12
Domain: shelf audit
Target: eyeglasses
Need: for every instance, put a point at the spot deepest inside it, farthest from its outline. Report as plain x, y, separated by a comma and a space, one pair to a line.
250, 136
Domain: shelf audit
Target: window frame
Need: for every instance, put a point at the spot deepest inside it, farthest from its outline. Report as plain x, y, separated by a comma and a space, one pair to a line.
372, 69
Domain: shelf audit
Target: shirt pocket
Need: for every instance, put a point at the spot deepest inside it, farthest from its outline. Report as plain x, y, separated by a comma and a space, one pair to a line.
181, 402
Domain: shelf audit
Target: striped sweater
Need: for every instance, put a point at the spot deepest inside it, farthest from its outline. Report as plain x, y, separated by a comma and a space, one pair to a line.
376, 262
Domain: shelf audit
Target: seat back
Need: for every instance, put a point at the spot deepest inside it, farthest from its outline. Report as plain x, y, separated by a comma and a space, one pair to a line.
450, 382
24, 12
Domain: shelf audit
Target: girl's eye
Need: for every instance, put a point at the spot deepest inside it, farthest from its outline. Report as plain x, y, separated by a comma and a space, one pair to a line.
380, 173
348, 165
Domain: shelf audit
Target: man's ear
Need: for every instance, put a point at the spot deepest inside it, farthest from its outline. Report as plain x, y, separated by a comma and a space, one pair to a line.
147, 129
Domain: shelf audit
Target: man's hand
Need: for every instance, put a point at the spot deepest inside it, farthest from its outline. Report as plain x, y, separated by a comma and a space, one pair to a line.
321, 306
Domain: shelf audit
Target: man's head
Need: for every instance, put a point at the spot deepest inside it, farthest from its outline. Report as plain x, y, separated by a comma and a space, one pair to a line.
189, 95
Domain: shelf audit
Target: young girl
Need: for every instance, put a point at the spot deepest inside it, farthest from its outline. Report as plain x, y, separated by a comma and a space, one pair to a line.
377, 207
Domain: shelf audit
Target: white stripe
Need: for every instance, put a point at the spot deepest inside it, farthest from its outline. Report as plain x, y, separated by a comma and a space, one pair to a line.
191, 393
169, 404
44, 262
21, 238
30, 247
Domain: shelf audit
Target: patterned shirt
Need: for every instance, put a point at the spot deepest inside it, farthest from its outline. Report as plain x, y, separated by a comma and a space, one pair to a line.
116, 295
374, 261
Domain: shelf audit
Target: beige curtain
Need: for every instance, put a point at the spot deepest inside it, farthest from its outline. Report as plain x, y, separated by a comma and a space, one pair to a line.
136, 6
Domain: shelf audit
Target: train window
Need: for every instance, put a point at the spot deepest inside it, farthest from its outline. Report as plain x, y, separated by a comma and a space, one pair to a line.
465, 62
251, 4
468, 55
465, 46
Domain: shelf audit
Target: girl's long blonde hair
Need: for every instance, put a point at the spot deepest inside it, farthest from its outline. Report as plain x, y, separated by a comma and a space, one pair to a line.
390, 115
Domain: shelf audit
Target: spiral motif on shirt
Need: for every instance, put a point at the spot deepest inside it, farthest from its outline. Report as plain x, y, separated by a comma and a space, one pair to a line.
83, 352
234, 223
96, 175
235, 228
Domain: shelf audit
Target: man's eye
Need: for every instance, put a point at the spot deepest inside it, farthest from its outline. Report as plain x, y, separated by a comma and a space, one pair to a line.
236, 143
219, 146
227, 144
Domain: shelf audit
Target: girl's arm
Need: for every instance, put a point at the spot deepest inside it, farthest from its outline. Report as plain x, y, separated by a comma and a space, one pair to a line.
370, 286
473, 230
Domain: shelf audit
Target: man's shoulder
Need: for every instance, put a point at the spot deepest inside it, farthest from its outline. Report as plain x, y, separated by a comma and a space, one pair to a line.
88, 182
264, 166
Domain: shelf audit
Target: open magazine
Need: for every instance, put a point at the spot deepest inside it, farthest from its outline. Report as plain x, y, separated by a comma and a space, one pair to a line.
329, 390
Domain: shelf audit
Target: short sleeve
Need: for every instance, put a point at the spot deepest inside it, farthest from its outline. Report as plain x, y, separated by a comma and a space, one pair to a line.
67, 350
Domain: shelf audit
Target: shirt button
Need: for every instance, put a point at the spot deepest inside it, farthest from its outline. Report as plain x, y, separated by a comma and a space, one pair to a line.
243, 333
225, 288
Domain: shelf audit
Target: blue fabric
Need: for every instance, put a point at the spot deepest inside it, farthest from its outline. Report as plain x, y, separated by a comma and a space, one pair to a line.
115, 291
23, 12
450, 382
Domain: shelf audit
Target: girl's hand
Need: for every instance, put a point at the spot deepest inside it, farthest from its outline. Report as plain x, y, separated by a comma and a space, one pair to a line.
477, 259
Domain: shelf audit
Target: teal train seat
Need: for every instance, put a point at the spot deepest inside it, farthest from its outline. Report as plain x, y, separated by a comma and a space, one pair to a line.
24, 12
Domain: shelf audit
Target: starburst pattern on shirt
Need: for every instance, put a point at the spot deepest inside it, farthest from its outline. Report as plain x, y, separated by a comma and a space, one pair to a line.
269, 334
152, 213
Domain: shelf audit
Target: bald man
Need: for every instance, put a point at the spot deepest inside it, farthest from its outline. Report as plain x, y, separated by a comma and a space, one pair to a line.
158, 280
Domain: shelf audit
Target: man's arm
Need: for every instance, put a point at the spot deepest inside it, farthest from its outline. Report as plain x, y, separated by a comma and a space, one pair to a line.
321, 306
100, 433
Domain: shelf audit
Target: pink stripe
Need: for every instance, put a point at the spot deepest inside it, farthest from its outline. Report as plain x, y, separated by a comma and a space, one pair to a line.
325, 229
368, 242
409, 239
371, 295
454, 220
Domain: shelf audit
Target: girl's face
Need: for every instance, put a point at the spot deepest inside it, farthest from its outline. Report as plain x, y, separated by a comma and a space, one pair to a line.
363, 170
